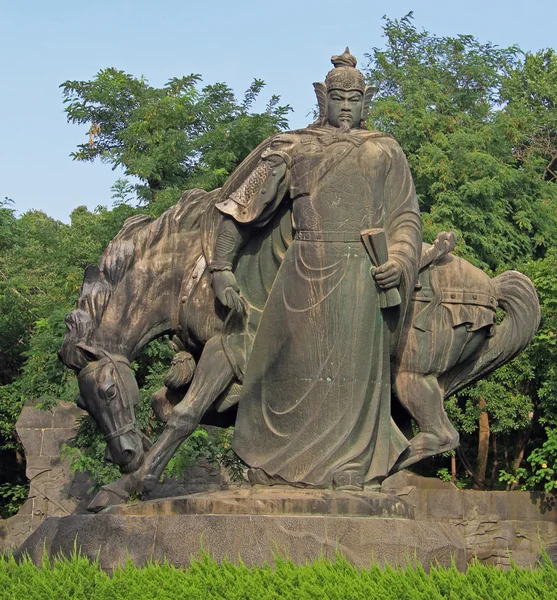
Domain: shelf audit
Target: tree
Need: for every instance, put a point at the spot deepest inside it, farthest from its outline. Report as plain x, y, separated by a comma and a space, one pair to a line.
530, 92
170, 138
442, 100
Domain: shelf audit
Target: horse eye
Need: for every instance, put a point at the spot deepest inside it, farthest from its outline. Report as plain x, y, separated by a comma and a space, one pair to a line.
109, 388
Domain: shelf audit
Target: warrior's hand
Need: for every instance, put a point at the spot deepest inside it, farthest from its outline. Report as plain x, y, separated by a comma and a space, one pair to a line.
226, 289
388, 274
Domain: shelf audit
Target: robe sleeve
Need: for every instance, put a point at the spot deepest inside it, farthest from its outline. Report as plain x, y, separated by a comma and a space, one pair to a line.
403, 226
256, 200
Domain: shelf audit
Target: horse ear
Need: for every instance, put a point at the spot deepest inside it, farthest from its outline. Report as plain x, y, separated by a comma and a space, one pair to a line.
90, 277
91, 273
90, 353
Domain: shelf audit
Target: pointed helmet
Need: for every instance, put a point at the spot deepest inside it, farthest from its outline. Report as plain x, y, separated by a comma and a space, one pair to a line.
344, 76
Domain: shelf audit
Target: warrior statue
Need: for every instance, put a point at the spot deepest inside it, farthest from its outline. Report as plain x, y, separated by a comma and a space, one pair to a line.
300, 303
315, 403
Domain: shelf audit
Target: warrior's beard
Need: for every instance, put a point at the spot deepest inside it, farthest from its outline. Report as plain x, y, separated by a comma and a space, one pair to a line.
344, 126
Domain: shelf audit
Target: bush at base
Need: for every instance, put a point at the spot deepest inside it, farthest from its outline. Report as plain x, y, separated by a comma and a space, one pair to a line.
78, 578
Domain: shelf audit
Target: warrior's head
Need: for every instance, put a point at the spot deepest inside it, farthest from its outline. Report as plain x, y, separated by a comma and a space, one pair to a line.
344, 97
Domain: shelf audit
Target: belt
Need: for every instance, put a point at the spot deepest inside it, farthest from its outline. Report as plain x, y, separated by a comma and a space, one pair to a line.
327, 236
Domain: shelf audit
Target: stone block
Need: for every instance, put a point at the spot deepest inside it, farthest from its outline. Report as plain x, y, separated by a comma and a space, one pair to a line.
14, 531
418, 499
33, 418
281, 501
65, 415
32, 440
49, 476
478, 504
489, 540
444, 504
255, 539
40, 503
53, 439
549, 537
405, 478
37, 466
26, 509
114, 538
531, 506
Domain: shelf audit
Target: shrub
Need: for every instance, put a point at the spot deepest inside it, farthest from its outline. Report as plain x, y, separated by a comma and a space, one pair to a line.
77, 577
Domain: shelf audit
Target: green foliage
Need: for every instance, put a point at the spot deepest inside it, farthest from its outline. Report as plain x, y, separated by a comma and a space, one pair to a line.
443, 100
11, 498
530, 92
542, 471
88, 456
170, 138
543, 462
209, 443
77, 577
445, 475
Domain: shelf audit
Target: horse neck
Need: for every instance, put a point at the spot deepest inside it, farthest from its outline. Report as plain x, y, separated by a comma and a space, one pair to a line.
140, 306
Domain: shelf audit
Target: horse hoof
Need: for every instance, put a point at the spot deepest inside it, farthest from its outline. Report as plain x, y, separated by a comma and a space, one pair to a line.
107, 497
408, 462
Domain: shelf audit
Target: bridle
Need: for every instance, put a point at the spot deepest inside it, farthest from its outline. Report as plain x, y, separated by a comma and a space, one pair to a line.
127, 403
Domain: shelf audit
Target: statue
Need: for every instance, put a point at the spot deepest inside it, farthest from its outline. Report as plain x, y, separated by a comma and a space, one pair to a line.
315, 404
300, 300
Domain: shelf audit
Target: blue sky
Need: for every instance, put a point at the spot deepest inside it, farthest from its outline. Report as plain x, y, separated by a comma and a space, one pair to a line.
288, 44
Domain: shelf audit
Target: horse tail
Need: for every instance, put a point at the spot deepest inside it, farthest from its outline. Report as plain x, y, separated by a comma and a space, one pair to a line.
517, 296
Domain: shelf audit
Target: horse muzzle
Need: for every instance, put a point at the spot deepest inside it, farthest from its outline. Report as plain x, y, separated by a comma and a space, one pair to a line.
126, 451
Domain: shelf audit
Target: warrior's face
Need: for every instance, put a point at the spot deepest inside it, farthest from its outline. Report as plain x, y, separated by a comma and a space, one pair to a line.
344, 108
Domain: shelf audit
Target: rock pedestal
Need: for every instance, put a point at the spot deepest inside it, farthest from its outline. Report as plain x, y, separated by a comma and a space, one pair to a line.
254, 525
498, 528
413, 517
54, 491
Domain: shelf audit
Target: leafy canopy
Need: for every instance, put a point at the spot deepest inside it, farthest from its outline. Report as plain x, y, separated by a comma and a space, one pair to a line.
453, 105
170, 138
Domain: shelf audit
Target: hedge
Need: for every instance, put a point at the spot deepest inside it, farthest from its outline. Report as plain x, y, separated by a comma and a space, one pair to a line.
204, 579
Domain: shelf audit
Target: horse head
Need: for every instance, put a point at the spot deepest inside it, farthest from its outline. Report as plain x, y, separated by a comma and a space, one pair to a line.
130, 298
108, 392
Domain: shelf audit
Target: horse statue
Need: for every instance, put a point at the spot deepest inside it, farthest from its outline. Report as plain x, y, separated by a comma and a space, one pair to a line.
153, 279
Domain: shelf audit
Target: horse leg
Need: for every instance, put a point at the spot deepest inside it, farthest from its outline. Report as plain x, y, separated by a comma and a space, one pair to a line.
421, 395
212, 377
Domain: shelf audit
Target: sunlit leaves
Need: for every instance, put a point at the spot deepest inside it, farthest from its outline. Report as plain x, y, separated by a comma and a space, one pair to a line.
170, 138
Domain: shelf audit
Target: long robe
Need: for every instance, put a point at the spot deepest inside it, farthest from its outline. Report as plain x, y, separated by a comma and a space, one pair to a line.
315, 402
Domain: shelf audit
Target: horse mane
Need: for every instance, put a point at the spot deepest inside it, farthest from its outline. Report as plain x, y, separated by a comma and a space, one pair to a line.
138, 235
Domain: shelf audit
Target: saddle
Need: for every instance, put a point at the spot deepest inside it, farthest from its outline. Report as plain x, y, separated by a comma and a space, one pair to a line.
466, 304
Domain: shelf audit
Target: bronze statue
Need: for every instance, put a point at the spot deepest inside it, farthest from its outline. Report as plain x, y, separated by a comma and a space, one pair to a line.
315, 403
294, 299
